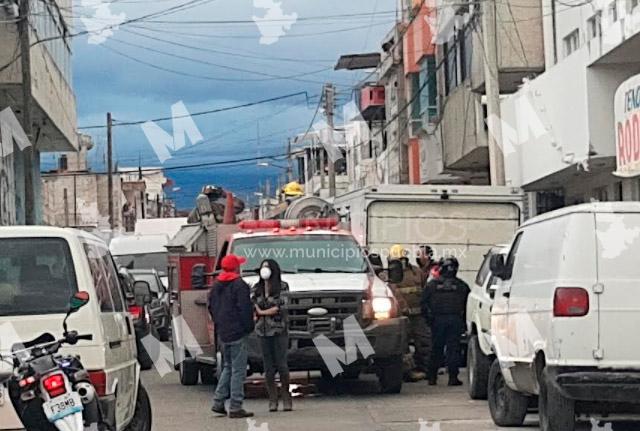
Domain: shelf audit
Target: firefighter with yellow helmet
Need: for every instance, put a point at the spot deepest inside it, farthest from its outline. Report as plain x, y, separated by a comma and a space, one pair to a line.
409, 294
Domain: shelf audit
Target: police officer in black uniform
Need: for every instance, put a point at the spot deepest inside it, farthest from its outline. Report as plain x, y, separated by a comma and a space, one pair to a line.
444, 304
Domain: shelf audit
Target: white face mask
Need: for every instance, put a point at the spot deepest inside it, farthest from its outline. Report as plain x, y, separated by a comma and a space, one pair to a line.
265, 273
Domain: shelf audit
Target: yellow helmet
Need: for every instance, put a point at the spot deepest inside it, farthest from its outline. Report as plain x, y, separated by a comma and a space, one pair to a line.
397, 252
293, 189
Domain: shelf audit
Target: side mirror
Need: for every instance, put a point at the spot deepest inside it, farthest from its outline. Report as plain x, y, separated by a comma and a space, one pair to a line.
396, 273
376, 263
498, 265
142, 293
199, 277
78, 301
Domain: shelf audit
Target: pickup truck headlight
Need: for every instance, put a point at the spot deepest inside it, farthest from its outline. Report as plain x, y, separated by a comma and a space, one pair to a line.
382, 307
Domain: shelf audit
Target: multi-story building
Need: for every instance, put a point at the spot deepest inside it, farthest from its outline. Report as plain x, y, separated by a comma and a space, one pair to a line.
52, 101
562, 128
456, 144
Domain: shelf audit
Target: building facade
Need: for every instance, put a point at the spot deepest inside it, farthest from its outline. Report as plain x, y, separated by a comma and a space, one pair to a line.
561, 128
52, 101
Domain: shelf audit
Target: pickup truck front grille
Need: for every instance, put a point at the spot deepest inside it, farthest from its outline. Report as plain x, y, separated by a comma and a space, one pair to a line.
339, 306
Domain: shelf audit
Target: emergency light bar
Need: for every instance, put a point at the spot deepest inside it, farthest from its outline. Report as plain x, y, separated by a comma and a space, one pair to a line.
320, 223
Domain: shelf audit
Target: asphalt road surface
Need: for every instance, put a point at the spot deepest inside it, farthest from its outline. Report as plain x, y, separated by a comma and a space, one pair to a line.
337, 406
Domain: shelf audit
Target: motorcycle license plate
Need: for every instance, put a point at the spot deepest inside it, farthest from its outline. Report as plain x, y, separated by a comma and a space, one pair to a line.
62, 406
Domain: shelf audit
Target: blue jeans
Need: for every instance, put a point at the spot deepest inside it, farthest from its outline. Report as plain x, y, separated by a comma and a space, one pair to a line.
234, 373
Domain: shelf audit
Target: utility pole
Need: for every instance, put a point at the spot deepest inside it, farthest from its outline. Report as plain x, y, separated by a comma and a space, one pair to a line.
30, 153
110, 167
492, 89
329, 100
289, 162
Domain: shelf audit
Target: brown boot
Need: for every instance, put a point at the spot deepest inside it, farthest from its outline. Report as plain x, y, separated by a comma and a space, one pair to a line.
272, 390
287, 402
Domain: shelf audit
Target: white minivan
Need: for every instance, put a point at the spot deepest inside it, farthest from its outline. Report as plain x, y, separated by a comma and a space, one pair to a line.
566, 317
40, 268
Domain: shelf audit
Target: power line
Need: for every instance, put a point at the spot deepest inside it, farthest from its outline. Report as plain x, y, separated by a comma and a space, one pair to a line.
207, 112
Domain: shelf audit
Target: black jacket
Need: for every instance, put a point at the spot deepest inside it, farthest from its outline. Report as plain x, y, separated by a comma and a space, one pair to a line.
231, 309
445, 297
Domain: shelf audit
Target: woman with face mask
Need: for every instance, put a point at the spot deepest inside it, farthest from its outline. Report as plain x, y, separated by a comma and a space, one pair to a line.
270, 300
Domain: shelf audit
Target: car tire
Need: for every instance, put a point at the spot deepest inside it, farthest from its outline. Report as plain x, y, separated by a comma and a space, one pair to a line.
351, 373
144, 359
557, 413
508, 408
142, 416
163, 334
208, 375
478, 367
391, 376
189, 372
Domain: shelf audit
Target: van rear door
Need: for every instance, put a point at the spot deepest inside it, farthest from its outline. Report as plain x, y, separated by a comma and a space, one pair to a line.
619, 283
463, 229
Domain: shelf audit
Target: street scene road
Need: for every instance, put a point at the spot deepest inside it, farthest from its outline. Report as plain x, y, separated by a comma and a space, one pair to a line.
357, 406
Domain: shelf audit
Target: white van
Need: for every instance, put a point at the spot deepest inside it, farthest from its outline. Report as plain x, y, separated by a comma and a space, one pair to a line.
480, 352
566, 315
40, 268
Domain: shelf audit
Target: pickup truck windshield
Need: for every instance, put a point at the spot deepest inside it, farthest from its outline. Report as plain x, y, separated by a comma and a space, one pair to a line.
36, 276
303, 253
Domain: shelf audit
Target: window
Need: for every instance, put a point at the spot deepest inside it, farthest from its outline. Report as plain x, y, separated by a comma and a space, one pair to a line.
428, 81
450, 67
485, 270
105, 279
37, 276
594, 26
571, 42
466, 50
613, 11
549, 200
513, 253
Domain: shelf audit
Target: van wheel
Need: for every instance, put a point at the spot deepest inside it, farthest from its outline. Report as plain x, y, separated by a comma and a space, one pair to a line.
390, 376
142, 416
188, 372
208, 375
508, 407
478, 366
557, 413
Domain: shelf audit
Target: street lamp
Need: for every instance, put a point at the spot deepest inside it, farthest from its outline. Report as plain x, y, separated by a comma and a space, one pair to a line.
272, 165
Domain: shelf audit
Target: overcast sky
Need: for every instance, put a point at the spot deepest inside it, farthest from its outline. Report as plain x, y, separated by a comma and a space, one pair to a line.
145, 67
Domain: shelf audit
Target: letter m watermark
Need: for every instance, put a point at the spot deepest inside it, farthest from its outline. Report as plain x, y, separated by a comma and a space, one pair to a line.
183, 125
354, 339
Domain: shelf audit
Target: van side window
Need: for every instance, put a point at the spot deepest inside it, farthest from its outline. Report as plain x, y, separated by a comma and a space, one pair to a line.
100, 278
484, 270
513, 253
113, 283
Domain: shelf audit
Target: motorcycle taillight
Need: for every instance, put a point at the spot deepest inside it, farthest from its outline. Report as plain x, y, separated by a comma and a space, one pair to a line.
99, 382
54, 384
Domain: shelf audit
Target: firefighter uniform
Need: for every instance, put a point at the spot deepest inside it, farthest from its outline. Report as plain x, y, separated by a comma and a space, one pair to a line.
444, 304
409, 294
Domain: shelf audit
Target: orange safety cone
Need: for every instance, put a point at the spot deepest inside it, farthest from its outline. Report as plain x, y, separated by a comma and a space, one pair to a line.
229, 210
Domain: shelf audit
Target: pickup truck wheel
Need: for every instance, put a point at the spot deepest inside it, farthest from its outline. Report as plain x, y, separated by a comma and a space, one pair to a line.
557, 413
163, 334
390, 376
144, 359
142, 415
508, 407
478, 366
208, 375
189, 372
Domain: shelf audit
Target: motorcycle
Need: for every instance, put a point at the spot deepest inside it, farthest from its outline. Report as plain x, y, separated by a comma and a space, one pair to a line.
50, 391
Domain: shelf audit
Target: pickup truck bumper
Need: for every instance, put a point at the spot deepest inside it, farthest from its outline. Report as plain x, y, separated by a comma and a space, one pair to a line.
387, 337
598, 385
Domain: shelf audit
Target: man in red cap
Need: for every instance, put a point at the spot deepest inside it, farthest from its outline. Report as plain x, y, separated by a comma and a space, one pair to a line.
232, 312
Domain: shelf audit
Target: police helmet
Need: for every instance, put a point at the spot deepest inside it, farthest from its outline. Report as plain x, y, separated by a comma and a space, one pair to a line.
449, 267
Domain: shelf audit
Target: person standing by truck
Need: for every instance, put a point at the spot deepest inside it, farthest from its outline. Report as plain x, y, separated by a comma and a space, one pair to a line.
232, 312
444, 303
270, 300
409, 291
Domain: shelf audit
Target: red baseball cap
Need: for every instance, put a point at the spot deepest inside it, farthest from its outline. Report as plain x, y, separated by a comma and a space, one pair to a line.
231, 262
